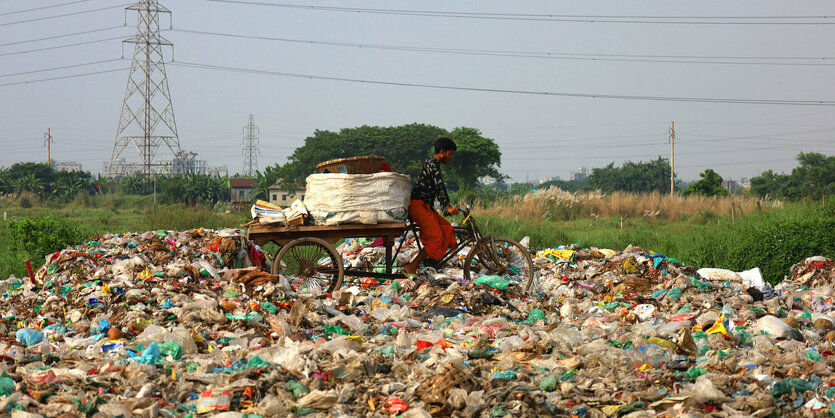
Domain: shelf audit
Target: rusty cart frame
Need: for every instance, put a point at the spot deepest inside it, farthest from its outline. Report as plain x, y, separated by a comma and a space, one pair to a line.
307, 252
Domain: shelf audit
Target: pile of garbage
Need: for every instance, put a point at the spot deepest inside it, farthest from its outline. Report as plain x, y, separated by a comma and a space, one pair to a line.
189, 323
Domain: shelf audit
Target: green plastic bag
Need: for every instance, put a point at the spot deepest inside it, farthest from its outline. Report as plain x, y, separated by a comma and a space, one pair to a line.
256, 362
695, 372
786, 386
745, 337
336, 329
495, 282
534, 316
172, 349
549, 383
269, 307
297, 388
6, 385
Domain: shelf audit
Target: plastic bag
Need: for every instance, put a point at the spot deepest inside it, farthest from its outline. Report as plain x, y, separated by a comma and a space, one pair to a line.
214, 400
28, 337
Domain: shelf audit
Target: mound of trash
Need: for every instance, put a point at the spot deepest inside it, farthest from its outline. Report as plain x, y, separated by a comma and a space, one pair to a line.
183, 323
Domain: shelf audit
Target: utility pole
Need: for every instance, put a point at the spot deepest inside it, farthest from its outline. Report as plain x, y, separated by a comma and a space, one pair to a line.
673, 159
47, 140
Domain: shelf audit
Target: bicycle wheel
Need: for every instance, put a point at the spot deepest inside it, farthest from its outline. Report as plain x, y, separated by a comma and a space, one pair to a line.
500, 257
311, 265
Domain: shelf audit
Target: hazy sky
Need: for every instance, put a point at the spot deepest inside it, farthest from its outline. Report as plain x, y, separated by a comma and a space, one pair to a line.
672, 49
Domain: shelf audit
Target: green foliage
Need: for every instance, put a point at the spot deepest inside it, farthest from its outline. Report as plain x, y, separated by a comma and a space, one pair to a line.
813, 178
405, 148
640, 177
775, 246
709, 185
475, 157
40, 236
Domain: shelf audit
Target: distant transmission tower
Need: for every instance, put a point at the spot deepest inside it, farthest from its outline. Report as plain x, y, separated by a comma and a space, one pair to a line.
250, 147
147, 113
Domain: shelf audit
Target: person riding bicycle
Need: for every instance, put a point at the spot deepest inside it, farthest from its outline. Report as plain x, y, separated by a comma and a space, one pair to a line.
436, 233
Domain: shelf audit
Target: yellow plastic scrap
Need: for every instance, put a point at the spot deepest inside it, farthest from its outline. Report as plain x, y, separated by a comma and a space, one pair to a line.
719, 327
629, 266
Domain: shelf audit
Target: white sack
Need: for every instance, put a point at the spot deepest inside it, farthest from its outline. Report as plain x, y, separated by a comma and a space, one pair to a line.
336, 198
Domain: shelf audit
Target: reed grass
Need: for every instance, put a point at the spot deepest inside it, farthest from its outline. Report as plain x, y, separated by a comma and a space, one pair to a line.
554, 204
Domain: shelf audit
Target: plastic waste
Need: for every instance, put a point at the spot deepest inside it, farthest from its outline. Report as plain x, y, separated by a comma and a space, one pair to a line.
28, 337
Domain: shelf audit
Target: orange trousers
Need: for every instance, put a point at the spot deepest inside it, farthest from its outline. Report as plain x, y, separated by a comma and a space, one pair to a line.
436, 233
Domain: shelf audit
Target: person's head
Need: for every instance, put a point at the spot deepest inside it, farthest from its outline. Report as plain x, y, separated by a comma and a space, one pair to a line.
444, 148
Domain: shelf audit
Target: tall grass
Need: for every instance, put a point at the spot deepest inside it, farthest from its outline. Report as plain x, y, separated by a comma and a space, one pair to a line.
555, 204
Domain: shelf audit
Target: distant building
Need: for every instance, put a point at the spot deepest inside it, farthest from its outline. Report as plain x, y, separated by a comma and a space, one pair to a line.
66, 166
240, 190
280, 197
220, 171
581, 174
737, 186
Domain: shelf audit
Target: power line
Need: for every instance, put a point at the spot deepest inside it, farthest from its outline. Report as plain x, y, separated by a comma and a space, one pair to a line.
61, 46
736, 163
43, 7
64, 15
59, 68
673, 59
696, 20
63, 77
527, 92
62, 36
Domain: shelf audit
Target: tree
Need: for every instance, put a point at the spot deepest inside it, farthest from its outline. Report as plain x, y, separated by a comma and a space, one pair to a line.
813, 178
769, 184
404, 148
475, 157
710, 184
640, 177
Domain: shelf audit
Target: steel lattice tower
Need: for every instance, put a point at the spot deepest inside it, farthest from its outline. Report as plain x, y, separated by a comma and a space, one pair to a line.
147, 118
250, 151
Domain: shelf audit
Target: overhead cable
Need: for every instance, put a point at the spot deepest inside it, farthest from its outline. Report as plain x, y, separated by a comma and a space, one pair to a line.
62, 36
511, 91
65, 14
59, 68
693, 20
63, 77
674, 59
43, 7
61, 46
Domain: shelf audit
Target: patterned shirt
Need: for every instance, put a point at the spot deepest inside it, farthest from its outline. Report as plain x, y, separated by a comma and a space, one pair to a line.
430, 184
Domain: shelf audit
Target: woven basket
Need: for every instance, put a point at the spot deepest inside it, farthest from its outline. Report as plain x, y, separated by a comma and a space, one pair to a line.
354, 165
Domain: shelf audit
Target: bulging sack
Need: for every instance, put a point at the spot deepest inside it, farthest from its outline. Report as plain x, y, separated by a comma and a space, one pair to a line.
336, 198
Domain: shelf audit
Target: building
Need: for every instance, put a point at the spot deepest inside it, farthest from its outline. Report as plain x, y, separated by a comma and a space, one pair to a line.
581, 174
281, 197
240, 190
66, 166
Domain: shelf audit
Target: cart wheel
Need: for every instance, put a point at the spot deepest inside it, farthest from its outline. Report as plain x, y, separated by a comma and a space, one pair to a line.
501, 257
311, 265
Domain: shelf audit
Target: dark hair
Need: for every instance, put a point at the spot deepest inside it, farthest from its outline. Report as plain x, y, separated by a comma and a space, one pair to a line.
444, 144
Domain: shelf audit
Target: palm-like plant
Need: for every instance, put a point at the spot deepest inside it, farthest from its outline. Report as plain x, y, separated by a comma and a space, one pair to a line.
27, 183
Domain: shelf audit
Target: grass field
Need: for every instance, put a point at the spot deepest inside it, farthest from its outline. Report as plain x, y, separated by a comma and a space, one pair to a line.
732, 233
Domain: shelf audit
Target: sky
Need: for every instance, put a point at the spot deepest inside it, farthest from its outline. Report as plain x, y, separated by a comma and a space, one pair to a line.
557, 85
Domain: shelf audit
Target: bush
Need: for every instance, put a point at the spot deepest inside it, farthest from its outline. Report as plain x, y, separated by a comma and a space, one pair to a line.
775, 247
40, 236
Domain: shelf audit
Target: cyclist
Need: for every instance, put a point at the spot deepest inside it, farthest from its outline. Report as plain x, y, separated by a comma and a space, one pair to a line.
436, 233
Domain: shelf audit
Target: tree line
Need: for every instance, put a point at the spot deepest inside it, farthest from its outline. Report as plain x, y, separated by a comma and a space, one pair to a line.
404, 149
41, 181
